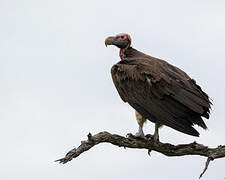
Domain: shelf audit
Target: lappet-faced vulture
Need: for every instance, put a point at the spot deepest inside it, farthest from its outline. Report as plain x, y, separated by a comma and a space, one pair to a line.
157, 90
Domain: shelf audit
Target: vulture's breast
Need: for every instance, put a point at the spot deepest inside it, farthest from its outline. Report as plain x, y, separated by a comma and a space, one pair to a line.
127, 72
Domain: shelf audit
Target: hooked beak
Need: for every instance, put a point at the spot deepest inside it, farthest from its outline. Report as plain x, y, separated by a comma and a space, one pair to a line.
109, 41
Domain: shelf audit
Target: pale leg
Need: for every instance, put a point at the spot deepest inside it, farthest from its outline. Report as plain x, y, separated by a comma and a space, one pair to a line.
140, 120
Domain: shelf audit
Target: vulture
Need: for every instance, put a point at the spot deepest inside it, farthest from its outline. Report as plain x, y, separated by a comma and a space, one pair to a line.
157, 90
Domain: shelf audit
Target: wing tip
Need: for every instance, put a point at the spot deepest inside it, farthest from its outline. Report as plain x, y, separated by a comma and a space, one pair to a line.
193, 132
196, 134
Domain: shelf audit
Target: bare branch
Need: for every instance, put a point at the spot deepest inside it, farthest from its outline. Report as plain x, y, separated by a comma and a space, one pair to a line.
206, 167
147, 143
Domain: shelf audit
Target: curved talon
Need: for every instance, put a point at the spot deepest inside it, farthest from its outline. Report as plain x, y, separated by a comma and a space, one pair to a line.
129, 135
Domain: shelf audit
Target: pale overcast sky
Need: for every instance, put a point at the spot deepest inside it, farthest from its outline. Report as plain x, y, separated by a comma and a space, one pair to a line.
56, 87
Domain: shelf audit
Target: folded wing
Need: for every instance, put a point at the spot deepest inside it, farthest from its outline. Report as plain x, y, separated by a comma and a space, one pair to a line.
162, 93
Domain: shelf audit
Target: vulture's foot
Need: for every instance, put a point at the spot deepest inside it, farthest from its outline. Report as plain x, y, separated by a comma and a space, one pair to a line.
156, 137
152, 137
140, 134
149, 136
131, 136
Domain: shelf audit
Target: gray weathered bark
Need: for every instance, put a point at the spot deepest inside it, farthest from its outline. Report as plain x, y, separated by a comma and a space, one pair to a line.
147, 143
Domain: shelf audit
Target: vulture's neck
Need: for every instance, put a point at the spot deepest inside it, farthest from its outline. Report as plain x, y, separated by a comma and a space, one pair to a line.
131, 53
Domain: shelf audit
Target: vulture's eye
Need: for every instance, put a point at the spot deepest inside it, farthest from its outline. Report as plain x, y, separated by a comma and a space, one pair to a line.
122, 37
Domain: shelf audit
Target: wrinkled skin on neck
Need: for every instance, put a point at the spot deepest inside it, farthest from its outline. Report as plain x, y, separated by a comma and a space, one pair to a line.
122, 50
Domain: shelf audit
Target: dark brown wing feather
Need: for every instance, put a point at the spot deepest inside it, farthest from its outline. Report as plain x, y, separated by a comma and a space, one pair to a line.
161, 92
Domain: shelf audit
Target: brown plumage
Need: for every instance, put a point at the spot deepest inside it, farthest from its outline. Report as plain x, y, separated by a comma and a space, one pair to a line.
159, 91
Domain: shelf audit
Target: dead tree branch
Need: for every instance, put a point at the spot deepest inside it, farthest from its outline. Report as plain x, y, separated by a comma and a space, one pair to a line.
147, 143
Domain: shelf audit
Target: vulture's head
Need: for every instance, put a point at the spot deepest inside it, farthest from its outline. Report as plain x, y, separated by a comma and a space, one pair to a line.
122, 41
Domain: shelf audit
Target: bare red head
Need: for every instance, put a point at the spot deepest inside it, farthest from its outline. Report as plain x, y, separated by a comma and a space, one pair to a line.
122, 41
